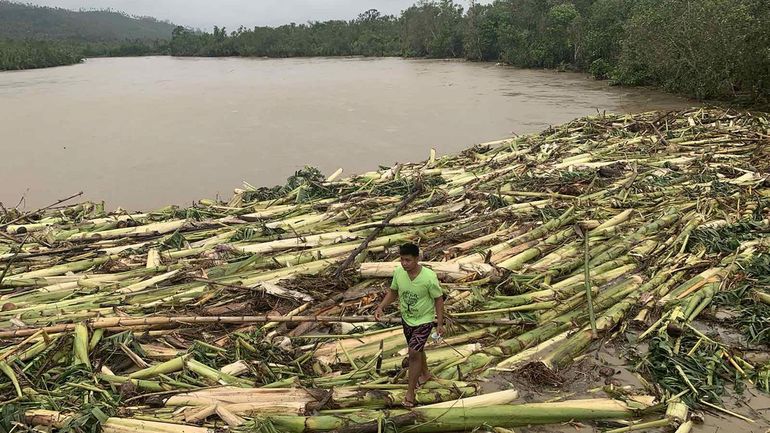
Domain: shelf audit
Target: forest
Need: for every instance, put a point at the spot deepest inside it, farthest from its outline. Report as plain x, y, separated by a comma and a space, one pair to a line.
707, 49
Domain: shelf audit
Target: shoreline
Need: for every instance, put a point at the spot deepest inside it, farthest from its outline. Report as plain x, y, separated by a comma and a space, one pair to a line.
586, 74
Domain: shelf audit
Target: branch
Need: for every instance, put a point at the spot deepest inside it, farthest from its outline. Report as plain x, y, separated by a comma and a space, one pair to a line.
404, 203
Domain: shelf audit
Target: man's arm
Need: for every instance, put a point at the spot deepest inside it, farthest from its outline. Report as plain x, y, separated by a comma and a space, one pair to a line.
437, 293
439, 303
389, 298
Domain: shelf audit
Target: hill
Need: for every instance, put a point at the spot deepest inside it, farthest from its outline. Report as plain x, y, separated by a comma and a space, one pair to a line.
23, 21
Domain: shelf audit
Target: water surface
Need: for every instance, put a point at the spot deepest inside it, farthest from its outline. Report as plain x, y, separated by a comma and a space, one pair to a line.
145, 132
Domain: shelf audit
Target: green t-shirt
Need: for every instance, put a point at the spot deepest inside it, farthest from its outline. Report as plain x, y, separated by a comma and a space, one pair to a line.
416, 297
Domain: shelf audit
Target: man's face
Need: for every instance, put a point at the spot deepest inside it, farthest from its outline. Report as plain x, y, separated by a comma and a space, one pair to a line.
409, 263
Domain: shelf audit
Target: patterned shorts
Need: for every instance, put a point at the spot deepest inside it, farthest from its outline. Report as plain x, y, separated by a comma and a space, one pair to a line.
417, 336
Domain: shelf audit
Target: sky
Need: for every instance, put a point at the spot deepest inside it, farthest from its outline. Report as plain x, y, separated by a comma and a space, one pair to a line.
205, 14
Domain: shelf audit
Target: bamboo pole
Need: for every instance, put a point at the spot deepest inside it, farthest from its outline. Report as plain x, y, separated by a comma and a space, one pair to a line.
435, 420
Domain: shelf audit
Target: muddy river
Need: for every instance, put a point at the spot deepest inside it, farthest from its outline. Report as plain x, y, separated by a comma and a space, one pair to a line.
144, 132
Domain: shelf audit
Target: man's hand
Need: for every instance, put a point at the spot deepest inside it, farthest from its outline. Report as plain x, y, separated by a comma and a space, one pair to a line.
389, 297
440, 330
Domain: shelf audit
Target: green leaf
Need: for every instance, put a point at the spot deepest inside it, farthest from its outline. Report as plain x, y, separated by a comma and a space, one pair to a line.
99, 415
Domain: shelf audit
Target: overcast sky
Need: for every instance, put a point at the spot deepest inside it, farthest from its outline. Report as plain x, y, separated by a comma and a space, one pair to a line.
233, 13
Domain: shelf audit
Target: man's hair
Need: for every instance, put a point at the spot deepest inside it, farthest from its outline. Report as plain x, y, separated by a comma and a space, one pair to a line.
409, 249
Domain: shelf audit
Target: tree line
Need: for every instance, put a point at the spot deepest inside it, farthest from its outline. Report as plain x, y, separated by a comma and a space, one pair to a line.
33, 54
702, 48
36, 54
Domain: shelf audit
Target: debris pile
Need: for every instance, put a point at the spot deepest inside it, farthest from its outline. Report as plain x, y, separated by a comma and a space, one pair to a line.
255, 314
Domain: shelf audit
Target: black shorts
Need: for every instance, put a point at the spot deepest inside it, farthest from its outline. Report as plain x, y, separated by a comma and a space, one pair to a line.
417, 336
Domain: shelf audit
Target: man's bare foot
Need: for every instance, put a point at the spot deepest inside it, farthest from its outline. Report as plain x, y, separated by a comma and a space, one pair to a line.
422, 380
410, 400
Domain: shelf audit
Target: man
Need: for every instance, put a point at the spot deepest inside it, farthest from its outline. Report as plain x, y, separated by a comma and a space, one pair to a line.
421, 301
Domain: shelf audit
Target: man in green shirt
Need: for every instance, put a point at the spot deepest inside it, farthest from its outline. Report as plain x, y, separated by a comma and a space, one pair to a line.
421, 302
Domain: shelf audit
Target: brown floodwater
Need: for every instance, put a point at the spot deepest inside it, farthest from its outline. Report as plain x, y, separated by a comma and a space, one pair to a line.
145, 132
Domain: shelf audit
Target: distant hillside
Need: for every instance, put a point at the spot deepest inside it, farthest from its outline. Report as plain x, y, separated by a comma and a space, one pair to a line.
21, 21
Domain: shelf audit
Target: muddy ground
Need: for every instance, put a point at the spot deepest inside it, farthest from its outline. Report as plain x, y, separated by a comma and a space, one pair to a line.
609, 363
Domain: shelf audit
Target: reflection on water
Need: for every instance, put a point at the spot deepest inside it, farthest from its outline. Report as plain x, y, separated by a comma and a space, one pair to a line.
145, 132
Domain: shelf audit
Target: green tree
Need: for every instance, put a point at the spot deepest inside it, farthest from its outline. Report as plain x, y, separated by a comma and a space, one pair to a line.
702, 48
433, 29
561, 37
603, 35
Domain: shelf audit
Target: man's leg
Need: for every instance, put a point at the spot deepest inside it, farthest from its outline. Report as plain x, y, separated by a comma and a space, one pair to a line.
418, 365
424, 373
415, 369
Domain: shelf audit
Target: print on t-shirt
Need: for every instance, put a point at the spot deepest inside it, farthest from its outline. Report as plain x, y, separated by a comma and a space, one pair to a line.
410, 299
